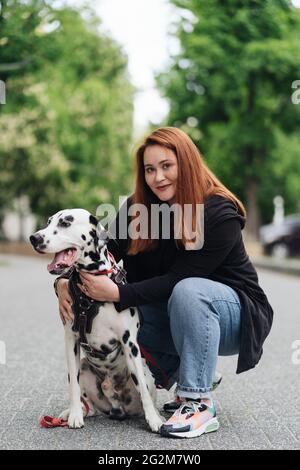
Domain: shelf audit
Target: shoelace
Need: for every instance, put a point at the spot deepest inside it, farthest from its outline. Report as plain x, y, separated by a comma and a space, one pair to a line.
191, 407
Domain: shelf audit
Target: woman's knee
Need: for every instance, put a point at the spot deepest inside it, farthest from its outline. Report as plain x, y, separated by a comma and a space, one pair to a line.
186, 294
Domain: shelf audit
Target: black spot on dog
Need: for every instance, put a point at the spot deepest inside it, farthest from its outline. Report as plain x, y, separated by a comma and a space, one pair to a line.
130, 344
126, 336
137, 325
93, 220
112, 341
85, 254
78, 375
125, 397
69, 218
48, 241
69, 378
134, 378
63, 223
134, 350
84, 395
117, 378
83, 237
94, 256
75, 349
105, 349
89, 267
55, 232
132, 311
89, 243
92, 233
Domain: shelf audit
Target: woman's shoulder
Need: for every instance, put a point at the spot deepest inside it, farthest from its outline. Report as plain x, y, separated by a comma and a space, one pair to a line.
217, 203
218, 208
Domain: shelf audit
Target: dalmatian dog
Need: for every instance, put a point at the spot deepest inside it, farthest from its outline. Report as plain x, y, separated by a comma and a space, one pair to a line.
105, 369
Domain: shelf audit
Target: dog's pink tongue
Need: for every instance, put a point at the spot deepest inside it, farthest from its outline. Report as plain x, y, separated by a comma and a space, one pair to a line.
62, 258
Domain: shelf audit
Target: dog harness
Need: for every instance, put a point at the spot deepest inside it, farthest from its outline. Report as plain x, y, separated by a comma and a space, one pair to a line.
85, 309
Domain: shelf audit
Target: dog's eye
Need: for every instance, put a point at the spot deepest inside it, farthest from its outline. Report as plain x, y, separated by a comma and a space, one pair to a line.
63, 223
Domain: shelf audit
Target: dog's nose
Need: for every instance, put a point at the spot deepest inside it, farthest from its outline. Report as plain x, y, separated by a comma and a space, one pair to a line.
36, 239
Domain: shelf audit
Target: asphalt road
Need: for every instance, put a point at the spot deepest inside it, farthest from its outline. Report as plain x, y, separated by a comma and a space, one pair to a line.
259, 409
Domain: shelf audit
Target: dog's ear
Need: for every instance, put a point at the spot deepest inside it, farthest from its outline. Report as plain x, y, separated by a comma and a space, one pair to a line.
99, 233
93, 220
101, 238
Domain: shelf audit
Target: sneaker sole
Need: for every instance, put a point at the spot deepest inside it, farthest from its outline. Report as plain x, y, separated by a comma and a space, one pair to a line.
211, 426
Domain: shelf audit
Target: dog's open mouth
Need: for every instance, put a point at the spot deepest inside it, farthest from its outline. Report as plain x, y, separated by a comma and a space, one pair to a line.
62, 260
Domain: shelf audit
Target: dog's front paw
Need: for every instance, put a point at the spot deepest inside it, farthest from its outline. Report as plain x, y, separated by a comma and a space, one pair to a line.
75, 419
155, 422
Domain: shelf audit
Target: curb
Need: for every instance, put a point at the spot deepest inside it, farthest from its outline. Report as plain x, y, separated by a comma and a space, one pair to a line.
286, 266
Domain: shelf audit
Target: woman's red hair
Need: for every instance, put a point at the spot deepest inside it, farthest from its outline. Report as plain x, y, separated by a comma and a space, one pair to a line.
202, 183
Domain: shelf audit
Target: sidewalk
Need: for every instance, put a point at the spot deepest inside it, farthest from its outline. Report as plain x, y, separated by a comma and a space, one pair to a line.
259, 409
287, 266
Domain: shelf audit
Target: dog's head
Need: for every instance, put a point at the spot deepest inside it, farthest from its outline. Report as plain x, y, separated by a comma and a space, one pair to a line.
76, 237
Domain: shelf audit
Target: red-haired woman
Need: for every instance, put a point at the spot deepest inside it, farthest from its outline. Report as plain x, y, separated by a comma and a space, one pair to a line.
196, 304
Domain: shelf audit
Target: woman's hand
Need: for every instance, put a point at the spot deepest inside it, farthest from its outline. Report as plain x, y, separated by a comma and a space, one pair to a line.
64, 300
99, 287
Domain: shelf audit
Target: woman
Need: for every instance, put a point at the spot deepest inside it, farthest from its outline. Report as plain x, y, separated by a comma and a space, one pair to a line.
196, 304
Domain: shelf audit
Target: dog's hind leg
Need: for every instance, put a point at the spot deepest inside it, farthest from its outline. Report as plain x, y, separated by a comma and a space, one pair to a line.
75, 418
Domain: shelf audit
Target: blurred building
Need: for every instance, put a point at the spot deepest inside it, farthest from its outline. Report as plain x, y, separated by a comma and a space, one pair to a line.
19, 222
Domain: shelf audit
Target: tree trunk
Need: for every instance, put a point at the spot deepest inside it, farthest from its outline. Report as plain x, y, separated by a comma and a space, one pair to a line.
253, 216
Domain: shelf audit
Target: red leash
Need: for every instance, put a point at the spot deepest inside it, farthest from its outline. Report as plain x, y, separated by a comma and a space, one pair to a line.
150, 360
51, 422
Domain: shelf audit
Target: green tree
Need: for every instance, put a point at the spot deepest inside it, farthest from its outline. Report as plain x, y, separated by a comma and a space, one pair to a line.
230, 88
65, 132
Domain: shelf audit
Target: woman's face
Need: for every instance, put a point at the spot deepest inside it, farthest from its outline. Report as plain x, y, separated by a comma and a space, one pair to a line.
161, 172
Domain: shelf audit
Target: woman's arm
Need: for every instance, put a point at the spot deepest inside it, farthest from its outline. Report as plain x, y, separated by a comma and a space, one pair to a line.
198, 263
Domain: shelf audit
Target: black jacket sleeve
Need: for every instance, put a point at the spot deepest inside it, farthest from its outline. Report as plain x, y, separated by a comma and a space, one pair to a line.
118, 233
218, 243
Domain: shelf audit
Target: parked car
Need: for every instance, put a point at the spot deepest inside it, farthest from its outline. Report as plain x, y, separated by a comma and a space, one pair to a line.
282, 240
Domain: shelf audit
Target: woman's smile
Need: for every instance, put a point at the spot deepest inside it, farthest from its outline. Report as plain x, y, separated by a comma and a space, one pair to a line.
164, 188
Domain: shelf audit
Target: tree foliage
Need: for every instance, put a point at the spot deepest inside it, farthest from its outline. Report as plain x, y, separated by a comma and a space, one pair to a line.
230, 89
65, 131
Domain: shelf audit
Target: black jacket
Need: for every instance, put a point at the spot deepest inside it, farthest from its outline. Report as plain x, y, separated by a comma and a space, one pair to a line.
152, 275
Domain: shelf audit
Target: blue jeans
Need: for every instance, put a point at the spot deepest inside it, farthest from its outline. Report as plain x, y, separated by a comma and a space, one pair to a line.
185, 335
